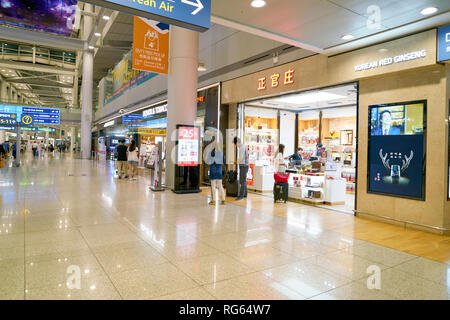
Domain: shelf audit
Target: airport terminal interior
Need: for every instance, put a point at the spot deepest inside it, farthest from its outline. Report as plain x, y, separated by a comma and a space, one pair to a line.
224, 150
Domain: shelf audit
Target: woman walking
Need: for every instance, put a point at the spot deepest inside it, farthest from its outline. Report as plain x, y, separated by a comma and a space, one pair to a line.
215, 160
133, 158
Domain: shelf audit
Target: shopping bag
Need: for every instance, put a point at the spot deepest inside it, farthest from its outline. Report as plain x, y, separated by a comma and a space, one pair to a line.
2, 163
280, 178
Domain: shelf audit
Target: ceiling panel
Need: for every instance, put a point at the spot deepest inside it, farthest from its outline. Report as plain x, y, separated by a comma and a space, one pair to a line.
321, 23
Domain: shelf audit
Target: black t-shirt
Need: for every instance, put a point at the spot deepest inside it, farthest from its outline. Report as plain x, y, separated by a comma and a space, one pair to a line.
121, 152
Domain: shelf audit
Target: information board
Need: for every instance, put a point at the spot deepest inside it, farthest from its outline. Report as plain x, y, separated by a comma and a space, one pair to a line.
37, 115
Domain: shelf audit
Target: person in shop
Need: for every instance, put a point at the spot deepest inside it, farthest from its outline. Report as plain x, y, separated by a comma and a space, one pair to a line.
296, 158
133, 159
51, 148
122, 159
2, 156
215, 159
34, 147
14, 150
242, 156
279, 164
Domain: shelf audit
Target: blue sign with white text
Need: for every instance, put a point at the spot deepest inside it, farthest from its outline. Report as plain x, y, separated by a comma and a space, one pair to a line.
191, 14
38, 115
131, 118
8, 119
444, 44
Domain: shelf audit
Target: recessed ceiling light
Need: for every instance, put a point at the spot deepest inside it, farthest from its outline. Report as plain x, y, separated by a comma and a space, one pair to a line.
97, 34
201, 67
258, 3
91, 47
347, 37
428, 11
383, 50
105, 17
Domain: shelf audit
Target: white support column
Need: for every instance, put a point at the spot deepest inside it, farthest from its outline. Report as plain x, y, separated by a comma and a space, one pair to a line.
4, 91
72, 139
182, 89
86, 88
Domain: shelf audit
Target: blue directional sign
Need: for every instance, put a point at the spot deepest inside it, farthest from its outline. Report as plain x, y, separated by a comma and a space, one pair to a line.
8, 119
444, 44
39, 115
191, 14
132, 118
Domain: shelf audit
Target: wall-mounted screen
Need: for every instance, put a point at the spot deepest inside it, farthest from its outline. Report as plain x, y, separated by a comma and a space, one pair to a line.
396, 149
57, 16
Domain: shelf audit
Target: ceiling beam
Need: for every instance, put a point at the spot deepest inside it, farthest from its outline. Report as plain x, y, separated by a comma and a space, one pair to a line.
41, 38
34, 67
264, 34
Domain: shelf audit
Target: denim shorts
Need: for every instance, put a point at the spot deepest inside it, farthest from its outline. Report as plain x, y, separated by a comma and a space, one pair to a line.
133, 162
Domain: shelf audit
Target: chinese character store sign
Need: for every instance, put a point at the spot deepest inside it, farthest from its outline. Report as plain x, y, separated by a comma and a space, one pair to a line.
276, 80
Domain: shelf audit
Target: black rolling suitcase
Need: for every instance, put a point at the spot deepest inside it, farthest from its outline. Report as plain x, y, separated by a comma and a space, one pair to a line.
231, 183
280, 191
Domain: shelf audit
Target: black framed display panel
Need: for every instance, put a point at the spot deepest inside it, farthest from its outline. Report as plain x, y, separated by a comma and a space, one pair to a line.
187, 175
396, 162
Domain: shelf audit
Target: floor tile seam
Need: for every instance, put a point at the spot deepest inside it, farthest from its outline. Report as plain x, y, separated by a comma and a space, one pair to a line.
320, 268
168, 261
244, 275
391, 266
101, 265
417, 275
358, 238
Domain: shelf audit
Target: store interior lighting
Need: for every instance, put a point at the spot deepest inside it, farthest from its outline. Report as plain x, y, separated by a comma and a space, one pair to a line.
309, 97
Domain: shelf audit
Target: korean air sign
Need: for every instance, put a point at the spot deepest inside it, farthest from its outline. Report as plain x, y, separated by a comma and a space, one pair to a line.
444, 44
190, 14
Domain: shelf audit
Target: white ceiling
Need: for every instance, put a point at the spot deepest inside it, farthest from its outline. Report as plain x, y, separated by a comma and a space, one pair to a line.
322, 23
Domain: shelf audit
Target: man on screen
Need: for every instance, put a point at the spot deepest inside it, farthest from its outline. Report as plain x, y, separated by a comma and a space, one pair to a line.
385, 127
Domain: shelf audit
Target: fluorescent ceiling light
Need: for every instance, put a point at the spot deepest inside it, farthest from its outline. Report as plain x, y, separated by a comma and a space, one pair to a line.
258, 3
91, 47
428, 11
347, 37
97, 34
105, 17
305, 98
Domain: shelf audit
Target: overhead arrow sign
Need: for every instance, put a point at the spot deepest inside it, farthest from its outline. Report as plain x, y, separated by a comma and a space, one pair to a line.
190, 14
197, 4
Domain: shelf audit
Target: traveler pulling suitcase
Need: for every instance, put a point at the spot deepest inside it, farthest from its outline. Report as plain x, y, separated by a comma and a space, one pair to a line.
231, 184
280, 191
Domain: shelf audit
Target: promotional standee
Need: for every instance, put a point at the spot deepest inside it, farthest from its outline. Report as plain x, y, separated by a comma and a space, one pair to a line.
187, 163
397, 149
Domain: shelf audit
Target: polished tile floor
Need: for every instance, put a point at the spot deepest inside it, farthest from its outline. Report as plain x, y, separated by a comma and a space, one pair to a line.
70, 230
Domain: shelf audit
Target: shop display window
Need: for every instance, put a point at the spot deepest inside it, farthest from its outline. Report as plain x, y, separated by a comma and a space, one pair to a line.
261, 134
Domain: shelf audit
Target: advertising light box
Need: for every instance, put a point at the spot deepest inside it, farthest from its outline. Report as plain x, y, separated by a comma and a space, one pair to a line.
188, 146
396, 155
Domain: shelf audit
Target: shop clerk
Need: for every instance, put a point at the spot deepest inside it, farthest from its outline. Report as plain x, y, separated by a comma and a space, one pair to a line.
296, 158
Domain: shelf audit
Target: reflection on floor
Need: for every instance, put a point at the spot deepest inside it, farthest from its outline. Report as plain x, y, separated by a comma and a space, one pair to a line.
126, 242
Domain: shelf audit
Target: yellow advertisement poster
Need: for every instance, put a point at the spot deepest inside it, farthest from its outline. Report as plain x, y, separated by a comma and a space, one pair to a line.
150, 46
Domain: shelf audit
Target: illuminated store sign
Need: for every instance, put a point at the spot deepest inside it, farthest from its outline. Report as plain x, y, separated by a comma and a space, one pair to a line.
155, 110
109, 124
276, 79
388, 61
